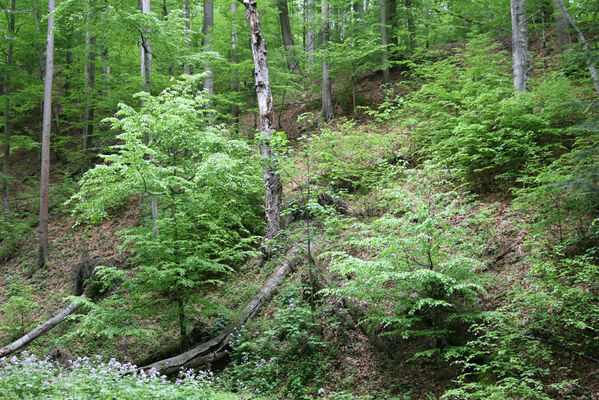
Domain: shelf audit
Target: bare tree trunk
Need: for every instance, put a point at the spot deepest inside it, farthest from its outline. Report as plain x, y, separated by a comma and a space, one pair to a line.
39, 330
327, 102
359, 9
187, 68
562, 26
583, 43
207, 43
272, 181
90, 86
520, 52
384, 43
288, 42
7, 126
310, 37
234, 61
44, 253
146, 67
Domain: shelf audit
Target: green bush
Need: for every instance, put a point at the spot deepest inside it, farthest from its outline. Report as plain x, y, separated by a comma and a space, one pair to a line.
417, 271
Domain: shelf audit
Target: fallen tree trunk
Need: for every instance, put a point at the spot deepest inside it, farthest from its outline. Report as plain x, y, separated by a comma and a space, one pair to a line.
214, 349
39, 330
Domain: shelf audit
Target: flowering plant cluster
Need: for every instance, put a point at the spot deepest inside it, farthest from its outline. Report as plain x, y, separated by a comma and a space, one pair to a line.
28, 377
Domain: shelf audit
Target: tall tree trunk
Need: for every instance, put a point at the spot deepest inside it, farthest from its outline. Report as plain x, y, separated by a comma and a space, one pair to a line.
187, 68
359, 9
583, 43
409, 8
44, 253
288, 42
90, 86
562, 26
310, 37
272, 181
327, 102
383, 7
234, 61
146, 65
7, 126
520, 52
207, 43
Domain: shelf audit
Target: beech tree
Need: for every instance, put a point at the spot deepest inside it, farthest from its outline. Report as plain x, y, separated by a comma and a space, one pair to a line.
44, 253
10, 18
207, 42
288, 41
327, 101
520, 52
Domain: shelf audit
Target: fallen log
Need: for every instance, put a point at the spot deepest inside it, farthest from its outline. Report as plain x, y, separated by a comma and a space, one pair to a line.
39, 330
214, 349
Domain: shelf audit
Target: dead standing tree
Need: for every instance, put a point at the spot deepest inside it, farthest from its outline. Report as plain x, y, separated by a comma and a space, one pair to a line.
272, 181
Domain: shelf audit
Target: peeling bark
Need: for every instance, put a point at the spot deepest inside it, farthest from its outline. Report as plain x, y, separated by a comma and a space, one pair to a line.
272, 181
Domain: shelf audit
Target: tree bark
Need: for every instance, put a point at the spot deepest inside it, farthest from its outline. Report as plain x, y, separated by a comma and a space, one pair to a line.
215, 348
288, 42
327, 101
272, 180
90, 86
207, 43
39, 330
583, 43
520, 52
392, 19
310, 37
43, 252
384, 43
187, 68
562, 26
234, 60
7, 126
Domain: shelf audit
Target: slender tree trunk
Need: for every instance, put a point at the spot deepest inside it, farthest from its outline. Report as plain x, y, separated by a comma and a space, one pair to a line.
427, 23
7, 126
520, 52
90, 86
272, 181
562, 26
44, 253
234, 61
146, 65
327, 102
359, 9
187, 68
409, 7
288, 42
207, 43
583, 43
384, 43
310, 37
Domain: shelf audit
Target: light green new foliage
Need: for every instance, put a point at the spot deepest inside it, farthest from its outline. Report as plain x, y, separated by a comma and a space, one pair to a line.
419, 272
208, 191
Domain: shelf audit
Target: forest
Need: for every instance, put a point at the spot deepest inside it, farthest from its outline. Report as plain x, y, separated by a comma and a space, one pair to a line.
299, 199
